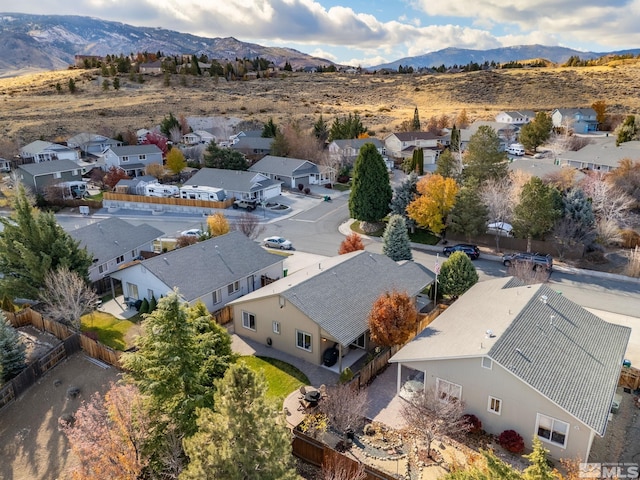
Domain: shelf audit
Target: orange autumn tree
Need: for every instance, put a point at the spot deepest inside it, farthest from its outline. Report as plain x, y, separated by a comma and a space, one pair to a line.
393, 319
437, 196
351, 243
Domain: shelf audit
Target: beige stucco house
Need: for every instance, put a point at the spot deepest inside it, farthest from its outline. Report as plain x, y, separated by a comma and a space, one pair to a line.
324, 305
523, 357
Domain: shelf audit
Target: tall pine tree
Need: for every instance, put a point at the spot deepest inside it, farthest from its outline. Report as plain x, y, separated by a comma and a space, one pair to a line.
12, 350
484, 158
396, 244
370, 190
415, 125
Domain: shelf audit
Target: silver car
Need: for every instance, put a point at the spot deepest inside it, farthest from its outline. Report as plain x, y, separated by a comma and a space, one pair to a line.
278, 242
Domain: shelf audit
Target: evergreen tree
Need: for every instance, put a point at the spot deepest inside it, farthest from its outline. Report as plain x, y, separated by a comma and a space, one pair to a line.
628, 130
116, 83
32, 244
280, 145
415, 124
484, 158
168, 124
457, 275
370, 189
447, 165
347, 128
72, 85
539, 207
469, 216
12, 350
539, 468
242, 439
396, 244
287, 67
269, 130
195, 66
455, 139
216, 157
320, 130
578, 208
536, 132
419, 161
403, 195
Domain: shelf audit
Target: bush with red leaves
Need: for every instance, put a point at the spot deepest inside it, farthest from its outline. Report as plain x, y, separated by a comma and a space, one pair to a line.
474, 424
511, 441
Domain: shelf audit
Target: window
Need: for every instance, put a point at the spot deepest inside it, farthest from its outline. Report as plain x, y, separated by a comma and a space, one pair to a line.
149, 293
487, 363
495, 405
57, 175
75, 172
552, 430
249, 321
124, 159
447, 390
142, 157
233, 287
303, 340
359, 342
120, 259
217, 296
102, 268
276, 327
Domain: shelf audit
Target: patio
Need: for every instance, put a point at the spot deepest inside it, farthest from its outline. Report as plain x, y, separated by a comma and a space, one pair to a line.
118, 307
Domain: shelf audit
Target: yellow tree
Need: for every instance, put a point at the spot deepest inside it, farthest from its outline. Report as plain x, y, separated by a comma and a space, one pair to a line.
437, 196
218, 224
176, 161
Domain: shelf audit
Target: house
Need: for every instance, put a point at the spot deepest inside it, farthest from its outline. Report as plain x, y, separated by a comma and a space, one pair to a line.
580, 120
141, 134
92, 143
601, 156
346, 151
252, 145
238, 184
523, 358
113, 243
41, 151
519, 118
325, 305
40, 175
136, 185
507, 133
133, 159
213, 271
293, 171
401, 145
198, 137
151, 68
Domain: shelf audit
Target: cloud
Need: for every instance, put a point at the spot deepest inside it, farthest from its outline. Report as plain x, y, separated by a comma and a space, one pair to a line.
318, 52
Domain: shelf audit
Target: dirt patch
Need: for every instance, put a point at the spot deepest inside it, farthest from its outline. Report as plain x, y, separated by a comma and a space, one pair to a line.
37, 343
31, 446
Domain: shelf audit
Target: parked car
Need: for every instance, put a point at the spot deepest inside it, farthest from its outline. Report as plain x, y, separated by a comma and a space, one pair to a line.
193, 232
537, 260
471, 250
278, 242
500, 228
248, 205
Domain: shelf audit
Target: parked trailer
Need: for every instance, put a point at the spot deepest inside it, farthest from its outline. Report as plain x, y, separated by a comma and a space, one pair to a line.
195, 192
159, 190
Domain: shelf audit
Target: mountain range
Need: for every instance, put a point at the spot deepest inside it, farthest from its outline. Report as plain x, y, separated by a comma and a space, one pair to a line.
50, 42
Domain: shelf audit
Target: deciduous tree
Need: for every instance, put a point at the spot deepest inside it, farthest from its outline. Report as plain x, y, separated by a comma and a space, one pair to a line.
393, 319
158, 140
436, 199
462, 120
495, 195
395, 240
218, 224
484, 159
216, 157
351, 243
457, 275
113, 176
345, 406
155, 170
370, 189
242, 439
12, 350
168, 122
600, 107
175, 160
249, 224
67, 296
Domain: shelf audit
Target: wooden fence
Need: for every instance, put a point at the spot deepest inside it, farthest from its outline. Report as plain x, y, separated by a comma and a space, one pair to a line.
224, 315
314, 451
630, 378
181, 202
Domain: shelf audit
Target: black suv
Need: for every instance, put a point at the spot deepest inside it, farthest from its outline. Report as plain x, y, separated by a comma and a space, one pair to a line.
471, 250
537, 260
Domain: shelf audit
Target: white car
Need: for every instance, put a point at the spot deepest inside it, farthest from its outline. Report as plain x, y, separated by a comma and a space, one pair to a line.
278, 242
193, 232
500, 228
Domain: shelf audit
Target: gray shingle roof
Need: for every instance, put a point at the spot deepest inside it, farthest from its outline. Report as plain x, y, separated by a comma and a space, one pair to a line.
231, 180
112, 237
573, 358
340, 298
135, 150
357, 143
420, 135
215, 263
47, 168
258, 143
284, 166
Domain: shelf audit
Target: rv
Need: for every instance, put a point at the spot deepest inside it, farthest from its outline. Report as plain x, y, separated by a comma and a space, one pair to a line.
195, 192
516, 149
158, 190
71, 190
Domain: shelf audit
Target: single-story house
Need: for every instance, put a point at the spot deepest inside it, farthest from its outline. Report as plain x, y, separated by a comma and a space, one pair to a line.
133, 159
523, 358
142, 135
293, 171
151, 68
507, 133
5, 165
198, 137
92, 143
41, 151
580, 120
113, 243
40, 175
601, 156
134, 186
325, 305
238, 184
213, 271
346, 151
396, 143
253, 145
520, 117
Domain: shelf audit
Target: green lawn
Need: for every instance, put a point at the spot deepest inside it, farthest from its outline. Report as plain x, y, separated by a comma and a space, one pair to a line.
110, 330
420, 236
341, 187
282, 378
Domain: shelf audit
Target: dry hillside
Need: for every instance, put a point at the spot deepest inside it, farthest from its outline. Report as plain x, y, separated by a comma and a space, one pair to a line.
33, 109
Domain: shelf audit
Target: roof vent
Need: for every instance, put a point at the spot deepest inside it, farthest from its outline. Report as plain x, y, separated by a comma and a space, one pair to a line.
489, 334
543, 299
551, 319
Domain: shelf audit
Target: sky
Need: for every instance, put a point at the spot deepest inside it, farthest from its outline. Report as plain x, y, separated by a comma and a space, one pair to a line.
371, 32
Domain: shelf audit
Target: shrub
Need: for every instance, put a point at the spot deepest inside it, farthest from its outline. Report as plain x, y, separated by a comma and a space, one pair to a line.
307, 190
346, 375
473, 423
511, 441
144, 307
343, 179
630, 238
300, 186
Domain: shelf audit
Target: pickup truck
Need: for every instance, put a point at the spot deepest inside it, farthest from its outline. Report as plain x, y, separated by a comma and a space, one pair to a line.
249, 205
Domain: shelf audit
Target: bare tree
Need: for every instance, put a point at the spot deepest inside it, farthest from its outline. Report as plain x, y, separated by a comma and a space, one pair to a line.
495, 195
66, 296
338, 467
633, 267
529, 275
569, 233
249, 224
607, 200
345, 406
433, 415
175, 134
